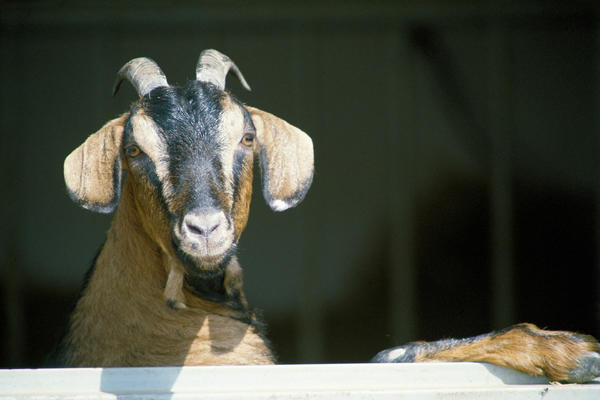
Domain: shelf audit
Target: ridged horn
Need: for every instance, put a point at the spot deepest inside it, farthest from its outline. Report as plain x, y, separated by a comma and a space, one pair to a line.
143, 73
213, 66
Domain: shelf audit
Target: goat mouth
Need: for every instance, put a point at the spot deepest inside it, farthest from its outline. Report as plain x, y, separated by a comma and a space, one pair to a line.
203, 254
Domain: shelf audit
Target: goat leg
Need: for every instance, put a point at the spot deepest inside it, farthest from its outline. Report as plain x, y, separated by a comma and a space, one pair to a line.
559, 355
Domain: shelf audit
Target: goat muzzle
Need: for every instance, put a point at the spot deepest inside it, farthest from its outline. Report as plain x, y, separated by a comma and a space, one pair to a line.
206, 235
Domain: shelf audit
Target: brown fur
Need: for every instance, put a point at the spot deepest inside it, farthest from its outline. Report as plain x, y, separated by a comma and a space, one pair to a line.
523, 347
132, 325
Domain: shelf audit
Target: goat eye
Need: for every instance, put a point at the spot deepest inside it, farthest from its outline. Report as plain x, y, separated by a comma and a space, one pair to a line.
132, 151
248, 139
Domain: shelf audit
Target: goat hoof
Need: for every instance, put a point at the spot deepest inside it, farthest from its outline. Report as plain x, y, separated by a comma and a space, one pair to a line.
588, 368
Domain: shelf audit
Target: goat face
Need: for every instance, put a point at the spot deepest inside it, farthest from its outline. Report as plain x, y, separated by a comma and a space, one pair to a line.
187, 155
189, 152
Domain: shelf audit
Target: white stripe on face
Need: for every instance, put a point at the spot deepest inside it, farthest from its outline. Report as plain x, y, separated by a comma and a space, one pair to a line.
231, 129
145, 134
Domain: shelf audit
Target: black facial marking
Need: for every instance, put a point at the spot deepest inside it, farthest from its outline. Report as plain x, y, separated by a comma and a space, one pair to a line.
240, 163
238, 167
188, 112
188, 119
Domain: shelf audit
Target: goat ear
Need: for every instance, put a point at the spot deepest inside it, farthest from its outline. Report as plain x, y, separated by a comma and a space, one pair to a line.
93, 170
286, 160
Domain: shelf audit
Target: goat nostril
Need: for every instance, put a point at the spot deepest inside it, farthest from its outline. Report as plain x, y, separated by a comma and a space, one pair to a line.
194, 229
201, 230
202, 225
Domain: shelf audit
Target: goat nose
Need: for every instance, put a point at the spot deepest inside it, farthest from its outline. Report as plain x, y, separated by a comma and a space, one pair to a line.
203, 223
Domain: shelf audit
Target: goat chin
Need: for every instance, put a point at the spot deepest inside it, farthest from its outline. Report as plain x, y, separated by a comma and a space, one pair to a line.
205, 258
203, 252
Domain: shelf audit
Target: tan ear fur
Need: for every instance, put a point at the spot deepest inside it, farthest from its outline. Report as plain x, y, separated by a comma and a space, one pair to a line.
286, 159
93, 170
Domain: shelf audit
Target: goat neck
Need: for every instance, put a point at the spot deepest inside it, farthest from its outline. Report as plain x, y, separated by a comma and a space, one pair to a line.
132, 325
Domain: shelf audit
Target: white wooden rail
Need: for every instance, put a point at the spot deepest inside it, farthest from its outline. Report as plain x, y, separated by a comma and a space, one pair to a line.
325, 381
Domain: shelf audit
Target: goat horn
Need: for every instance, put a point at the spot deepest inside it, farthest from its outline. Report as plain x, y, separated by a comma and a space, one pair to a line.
143, 73
213, 66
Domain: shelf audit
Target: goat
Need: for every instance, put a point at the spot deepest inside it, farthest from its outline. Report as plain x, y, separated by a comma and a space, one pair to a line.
177, 170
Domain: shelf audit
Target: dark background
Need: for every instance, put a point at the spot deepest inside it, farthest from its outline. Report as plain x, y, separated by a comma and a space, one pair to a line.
457, 184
